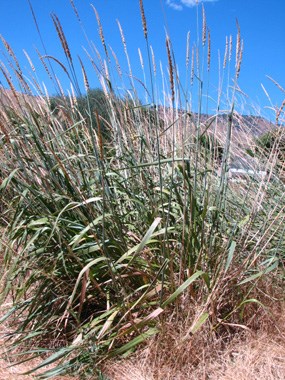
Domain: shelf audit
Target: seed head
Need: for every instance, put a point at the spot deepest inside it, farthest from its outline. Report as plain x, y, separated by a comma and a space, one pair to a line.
143, 19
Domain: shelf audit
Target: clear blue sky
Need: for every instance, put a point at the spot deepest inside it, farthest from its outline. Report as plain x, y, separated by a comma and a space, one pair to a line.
261, 23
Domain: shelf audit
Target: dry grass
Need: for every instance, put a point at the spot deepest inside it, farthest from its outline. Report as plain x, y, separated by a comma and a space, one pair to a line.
9, 371
257, 358
261, 357
247, 355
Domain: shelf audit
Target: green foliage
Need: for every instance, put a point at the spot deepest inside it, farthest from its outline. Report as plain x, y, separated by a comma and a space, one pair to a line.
93, 107
272, 140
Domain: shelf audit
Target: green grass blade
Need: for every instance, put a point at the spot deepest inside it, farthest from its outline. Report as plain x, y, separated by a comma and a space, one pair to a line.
182, 288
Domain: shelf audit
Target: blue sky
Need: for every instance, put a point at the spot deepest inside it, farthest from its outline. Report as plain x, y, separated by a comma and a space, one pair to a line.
261, 23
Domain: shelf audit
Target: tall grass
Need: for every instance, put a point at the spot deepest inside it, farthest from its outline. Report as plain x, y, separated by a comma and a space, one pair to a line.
110, 232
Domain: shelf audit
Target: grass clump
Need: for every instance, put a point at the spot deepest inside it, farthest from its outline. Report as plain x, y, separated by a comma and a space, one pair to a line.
120, 214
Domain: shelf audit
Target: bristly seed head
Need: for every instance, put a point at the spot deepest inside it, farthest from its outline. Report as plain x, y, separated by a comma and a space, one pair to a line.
230, 48
238, 44
192, 65
85, 79
101, 34
75, 10
61, 36
226, 52
204, 27
170, 64
29, 60
239, 59
143, 19
44, 64
11, 53
188, 49
209, 50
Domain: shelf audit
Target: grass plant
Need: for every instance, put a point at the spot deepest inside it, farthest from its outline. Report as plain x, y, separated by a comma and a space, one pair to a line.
120, 214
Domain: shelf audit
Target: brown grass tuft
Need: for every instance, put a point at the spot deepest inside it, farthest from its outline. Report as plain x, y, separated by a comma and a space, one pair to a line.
247, 356
229, 353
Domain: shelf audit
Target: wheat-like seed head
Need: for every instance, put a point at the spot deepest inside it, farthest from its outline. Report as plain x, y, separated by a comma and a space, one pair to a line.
188, 49
75, 10
8, 78
11, 53
226, 52
197, 60
209, 50
122, 36
171, 76
44, 64
61, 36
239, 59
101, 33
204, 26
126, 51
192, 65
143, 19
238, 45
30, 61
85, 79
230, 47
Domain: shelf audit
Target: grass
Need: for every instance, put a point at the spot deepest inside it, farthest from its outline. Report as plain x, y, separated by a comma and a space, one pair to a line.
118, 226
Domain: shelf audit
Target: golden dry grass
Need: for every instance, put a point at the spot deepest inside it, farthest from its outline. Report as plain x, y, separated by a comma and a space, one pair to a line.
257, 358
251, 355
9, 371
